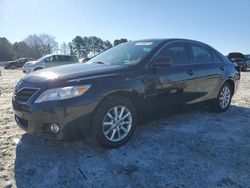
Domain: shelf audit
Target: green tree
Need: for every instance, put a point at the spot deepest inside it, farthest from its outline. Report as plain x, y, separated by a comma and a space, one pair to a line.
79, 46
6, 50
95, 45
71, 52
107, 44
119, 41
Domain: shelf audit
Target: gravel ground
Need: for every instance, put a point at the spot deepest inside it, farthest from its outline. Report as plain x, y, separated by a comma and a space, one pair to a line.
197, 148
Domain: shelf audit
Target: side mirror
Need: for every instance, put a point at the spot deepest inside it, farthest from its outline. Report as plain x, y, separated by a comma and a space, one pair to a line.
160, 62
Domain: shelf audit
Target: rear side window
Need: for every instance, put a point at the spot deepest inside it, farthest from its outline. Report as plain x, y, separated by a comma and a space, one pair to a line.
74, 58
67, 58
201, 54
56, 58
176, 52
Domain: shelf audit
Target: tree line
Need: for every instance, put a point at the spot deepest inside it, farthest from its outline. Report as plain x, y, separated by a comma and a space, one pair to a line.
35, 46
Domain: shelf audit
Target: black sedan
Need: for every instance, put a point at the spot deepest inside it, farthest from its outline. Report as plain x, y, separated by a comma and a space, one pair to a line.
17, 63
106, 96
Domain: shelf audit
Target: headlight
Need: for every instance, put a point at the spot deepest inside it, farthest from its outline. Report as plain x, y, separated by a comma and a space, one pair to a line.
62, 93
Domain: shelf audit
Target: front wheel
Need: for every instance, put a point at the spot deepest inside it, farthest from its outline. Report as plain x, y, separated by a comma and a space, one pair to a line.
223, 100
12, 67
114, 122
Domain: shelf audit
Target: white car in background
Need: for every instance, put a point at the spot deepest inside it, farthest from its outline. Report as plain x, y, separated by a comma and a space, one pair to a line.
49, 61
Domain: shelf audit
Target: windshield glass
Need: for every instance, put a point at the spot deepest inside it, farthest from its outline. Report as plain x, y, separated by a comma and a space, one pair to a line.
42, 58
129, 53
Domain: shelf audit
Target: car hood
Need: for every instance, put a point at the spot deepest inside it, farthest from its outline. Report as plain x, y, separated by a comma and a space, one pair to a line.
31, 62
73, 71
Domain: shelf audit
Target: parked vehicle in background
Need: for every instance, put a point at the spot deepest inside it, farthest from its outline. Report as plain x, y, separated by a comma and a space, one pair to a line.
247, 60
238, 58
108, 94
49, 61
17, 63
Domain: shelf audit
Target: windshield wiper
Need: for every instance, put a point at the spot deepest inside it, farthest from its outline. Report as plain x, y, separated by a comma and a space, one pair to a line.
100, 62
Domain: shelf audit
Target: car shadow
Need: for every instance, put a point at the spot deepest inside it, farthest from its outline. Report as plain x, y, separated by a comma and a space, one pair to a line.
45, 163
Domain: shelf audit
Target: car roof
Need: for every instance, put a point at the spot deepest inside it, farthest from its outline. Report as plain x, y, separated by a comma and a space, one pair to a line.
58, 55
170, 40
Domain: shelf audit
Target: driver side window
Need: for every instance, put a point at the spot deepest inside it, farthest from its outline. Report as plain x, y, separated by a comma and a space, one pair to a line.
176, 52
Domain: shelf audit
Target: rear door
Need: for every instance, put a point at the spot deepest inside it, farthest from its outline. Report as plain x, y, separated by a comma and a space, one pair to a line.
209, 68
175, 83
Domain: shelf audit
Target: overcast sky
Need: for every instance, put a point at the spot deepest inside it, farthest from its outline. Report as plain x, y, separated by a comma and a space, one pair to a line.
224, 24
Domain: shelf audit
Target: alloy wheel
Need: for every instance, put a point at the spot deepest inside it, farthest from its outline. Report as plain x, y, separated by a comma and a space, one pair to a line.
225, 96
117, 123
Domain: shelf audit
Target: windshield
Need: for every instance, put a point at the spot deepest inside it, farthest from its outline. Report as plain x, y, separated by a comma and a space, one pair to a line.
42, 58
129, 53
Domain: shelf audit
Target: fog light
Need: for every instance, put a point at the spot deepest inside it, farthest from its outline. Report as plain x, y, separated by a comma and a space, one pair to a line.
54, 128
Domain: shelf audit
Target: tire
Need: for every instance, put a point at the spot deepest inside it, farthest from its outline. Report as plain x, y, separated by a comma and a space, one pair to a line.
12, 67
112, 130
219, 105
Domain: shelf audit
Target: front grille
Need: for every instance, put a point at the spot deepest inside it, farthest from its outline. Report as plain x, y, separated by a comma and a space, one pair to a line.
23, 95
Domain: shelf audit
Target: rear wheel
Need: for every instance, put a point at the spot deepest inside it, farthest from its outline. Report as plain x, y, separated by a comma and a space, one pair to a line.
223, 100
114, 122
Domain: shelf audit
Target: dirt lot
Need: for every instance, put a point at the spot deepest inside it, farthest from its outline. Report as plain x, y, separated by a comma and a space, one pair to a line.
197, 148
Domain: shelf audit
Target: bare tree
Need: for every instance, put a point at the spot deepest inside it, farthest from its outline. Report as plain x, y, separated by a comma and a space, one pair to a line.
64, 48
42, 44
34, 42
48, 44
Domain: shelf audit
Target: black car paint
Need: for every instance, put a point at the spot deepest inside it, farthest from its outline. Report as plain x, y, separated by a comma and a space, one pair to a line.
17, 63
148, 86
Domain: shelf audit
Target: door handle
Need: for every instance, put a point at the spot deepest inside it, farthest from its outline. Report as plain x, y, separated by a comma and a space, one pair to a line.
190, 72
222, 67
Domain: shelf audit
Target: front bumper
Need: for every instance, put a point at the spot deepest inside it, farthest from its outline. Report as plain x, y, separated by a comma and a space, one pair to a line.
73, 116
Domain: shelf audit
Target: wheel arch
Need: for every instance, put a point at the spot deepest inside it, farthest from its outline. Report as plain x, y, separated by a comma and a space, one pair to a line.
231, 83
132, 95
